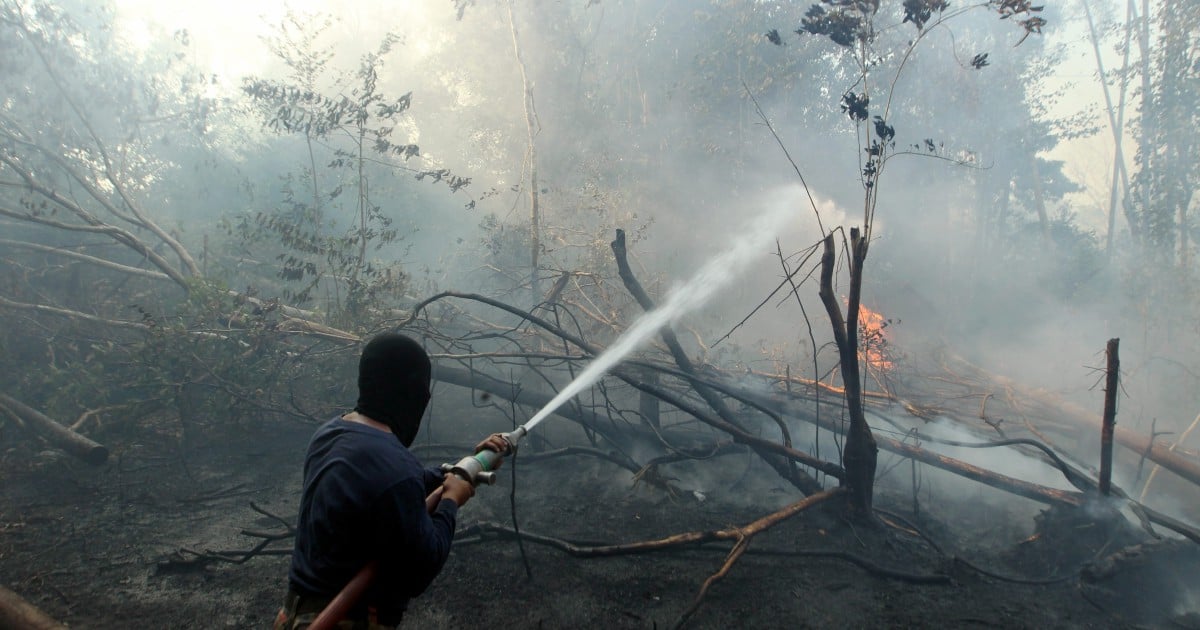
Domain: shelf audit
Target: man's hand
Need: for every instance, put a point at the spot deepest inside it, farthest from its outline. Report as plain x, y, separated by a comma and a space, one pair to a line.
494, 442
457, 489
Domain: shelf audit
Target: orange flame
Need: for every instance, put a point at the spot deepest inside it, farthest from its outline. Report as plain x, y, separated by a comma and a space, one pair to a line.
873, 340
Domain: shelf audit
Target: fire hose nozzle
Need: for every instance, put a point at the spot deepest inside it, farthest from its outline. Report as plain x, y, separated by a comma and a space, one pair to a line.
476, 468
479, 468
487, 477
513, 437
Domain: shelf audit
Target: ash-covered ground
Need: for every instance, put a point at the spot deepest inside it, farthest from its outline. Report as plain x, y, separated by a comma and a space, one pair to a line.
115, 545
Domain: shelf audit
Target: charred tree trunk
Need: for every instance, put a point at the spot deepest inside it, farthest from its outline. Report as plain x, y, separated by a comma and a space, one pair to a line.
1110, 416
860, 454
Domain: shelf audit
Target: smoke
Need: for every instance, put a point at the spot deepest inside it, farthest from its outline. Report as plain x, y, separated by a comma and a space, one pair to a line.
1005, 460
643, 121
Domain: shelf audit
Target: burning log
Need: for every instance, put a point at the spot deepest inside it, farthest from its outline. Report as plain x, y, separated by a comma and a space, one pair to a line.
1029, 490
776, 407
55, 433
18, 614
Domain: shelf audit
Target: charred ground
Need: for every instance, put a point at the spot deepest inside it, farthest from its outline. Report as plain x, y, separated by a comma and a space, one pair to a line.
102, 547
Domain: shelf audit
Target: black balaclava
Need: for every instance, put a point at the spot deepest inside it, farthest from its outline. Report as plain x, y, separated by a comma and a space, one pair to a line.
393, 384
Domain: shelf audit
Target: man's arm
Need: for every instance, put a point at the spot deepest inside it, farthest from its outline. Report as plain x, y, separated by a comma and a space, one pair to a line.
413, 543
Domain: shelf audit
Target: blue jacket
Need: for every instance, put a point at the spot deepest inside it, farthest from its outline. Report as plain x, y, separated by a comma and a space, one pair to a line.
363, 500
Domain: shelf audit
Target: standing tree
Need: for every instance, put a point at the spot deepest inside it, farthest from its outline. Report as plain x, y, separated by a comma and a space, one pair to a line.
78, 161
1168, 174
356, 121
851, 24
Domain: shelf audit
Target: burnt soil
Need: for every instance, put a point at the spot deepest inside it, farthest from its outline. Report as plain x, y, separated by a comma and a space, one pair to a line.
115, 546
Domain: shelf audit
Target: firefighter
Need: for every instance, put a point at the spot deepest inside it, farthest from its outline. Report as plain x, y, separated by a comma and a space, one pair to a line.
364, 497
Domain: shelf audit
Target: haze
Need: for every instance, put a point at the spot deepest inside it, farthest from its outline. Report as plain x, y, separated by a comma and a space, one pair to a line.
205, 208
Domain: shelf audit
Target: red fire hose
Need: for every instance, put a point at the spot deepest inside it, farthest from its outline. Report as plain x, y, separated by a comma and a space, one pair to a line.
345, 600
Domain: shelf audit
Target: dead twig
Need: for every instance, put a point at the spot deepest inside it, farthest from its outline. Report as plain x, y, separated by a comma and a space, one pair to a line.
220, 493
735, 553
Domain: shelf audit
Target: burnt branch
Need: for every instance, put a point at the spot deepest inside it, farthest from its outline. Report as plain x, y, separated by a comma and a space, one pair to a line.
55, 433
800, 479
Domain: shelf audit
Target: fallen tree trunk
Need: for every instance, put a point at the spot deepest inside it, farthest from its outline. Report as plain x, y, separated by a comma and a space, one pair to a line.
1029, 490
55, 433
18, 614
1142, 445
1042, 494
1036, 492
